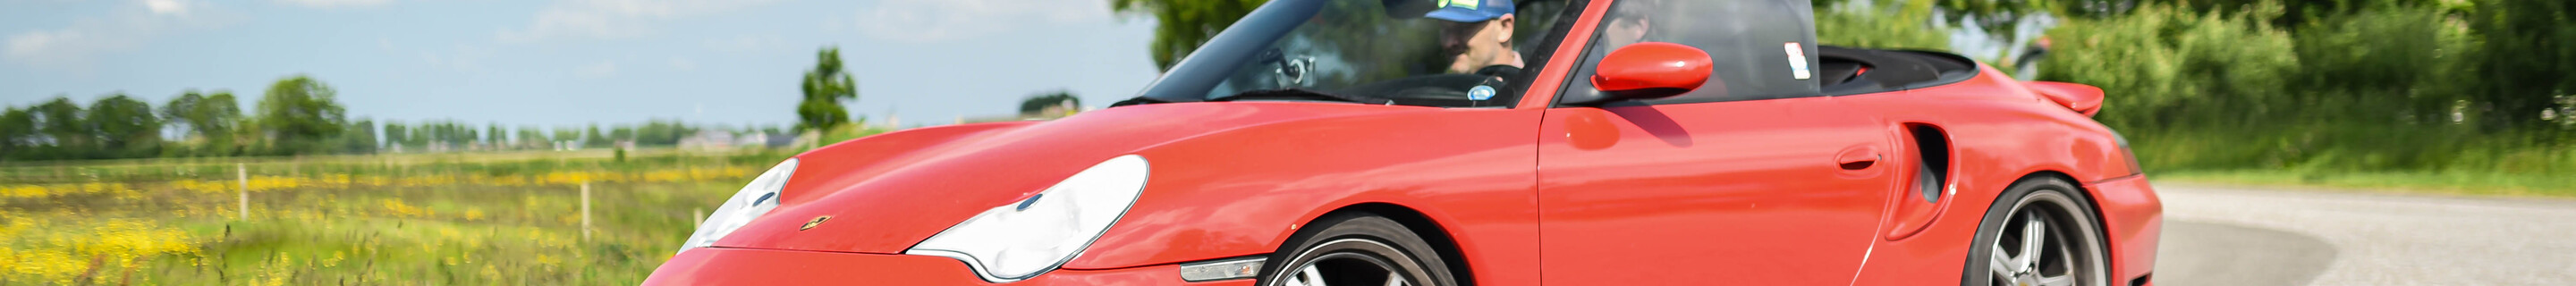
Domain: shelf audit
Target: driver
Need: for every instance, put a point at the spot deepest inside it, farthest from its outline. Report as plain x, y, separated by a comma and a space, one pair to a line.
1479, 35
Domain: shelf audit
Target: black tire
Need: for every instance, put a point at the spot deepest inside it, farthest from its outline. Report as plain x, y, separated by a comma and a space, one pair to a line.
1343, 249
2072, 247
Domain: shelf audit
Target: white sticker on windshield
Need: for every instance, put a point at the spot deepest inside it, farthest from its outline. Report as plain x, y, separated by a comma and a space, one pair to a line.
1797, 60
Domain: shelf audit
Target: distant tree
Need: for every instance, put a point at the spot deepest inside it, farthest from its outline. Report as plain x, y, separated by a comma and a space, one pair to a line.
663, 133
298, 113
433, 132
247, 134
223, 116
622, 133
397, 136
825, 87
176, 112
1038, 103
209, 120
1182, 25
496, 137
456, 134
564, 134
359, 137
531, 136
60, 122
595, 138
123, 127
17, 132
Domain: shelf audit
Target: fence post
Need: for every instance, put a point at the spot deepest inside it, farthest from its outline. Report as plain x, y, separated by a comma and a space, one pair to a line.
241, 173
585, 211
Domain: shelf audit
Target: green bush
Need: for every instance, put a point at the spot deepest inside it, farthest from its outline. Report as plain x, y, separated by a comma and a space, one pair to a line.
1905, 24
2165, 67
2376, 90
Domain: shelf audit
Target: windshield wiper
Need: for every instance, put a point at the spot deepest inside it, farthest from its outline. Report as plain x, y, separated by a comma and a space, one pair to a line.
1301, 94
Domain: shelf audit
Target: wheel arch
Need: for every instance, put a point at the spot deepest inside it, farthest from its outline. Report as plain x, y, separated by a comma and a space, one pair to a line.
1431, 231
2093, 204
2091, 200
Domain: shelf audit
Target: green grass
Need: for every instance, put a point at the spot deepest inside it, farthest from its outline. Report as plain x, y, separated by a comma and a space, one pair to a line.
2434, 182
499, 225
2436, 159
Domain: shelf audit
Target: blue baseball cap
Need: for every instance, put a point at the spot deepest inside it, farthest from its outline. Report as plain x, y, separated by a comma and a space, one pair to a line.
1470, 11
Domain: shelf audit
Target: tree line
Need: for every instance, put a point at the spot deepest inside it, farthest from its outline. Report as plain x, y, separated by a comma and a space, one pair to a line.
296, 115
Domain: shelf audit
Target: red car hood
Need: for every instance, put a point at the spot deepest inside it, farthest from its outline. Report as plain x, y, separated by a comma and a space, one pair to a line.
890, 191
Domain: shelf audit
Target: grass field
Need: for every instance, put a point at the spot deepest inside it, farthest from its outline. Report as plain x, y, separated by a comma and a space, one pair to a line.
482, 219
2451, 183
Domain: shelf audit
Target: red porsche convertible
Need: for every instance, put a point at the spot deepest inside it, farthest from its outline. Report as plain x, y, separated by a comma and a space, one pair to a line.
1480, 142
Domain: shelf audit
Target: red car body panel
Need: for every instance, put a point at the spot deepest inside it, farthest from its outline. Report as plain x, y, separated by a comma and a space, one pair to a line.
1273, 177
1749, 191
1801, 191
720, 266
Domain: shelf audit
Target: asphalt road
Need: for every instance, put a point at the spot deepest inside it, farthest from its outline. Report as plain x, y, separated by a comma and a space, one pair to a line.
2245, 236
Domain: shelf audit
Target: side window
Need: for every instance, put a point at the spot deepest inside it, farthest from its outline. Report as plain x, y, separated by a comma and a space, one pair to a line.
1749, 40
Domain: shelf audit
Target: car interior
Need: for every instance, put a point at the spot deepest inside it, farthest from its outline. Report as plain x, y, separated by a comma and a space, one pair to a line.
1847, 71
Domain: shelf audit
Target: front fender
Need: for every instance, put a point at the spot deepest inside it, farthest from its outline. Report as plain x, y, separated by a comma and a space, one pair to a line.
1245, 191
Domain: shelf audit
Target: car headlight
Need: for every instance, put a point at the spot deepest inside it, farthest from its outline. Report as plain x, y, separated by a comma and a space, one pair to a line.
754, 200
1032, 236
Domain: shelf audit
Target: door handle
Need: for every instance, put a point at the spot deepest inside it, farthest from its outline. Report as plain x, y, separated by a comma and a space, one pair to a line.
1857, 158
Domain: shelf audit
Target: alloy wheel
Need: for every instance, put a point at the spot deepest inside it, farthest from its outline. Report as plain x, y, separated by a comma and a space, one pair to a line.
2041, 246
1351, 262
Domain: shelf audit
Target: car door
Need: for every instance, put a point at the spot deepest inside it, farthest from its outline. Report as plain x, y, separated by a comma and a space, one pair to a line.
1751, 179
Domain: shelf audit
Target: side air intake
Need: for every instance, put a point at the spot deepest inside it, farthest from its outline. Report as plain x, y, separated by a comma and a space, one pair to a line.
1934, 168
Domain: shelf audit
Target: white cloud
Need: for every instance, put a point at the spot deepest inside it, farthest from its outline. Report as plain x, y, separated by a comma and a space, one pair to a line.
460, 57
41, 42
941, 20
611, 19
166, 7
746, 43
603, 69
336, 3
683, 64
124, 28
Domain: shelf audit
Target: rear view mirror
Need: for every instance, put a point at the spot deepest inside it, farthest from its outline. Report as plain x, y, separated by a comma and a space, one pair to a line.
1651, 70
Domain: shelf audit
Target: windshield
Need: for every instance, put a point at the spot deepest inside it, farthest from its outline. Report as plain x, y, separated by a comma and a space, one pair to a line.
1449, 53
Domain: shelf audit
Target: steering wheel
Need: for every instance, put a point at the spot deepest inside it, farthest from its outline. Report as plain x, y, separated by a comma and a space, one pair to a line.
1286, 70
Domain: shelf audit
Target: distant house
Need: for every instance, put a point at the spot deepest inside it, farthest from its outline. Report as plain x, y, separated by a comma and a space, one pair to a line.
1050, 112
779, 140
708, 140
720, 140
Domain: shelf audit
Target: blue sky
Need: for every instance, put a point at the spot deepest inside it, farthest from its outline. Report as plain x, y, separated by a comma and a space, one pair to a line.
575, 62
